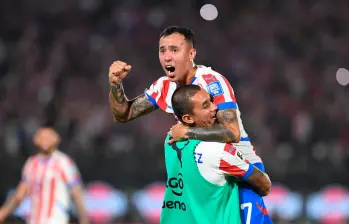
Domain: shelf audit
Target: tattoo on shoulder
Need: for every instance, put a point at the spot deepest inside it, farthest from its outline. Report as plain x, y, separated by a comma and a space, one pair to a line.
141, 106
229, 115
118, 94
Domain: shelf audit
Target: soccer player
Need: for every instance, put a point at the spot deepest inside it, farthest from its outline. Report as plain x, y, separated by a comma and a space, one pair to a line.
198, 189
49, 177
177, 54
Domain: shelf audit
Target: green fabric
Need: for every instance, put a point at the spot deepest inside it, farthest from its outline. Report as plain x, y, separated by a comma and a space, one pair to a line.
189, 198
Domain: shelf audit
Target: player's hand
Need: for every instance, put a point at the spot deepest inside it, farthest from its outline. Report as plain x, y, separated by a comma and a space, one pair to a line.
2, 216
117, 72
178, 132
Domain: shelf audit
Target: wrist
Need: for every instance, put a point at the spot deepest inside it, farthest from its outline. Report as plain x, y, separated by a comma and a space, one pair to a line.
117, 85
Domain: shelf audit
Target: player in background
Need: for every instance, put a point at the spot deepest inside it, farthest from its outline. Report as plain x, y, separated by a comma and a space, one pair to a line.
198, 188
49, 178
176, 55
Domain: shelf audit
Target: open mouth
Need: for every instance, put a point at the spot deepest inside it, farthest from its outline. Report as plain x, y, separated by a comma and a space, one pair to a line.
170, 69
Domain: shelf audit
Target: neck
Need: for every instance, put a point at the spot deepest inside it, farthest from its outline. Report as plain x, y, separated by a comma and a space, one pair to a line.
188, 77
47, 153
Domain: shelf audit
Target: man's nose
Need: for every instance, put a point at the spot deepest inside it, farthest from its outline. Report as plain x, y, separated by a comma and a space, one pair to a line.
167, 57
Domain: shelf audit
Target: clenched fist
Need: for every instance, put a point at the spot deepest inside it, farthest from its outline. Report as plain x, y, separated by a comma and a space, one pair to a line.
117, 72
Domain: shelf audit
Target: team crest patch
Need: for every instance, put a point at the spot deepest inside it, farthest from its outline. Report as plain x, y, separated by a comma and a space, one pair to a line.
215, 88
238, 153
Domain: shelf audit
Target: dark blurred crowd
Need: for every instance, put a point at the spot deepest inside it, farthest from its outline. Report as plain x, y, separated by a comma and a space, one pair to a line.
281, 58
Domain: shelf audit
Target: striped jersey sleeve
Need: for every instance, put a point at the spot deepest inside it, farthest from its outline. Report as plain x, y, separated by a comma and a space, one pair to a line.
28, 166
160, 93
220, 89
217, 160
233, 163
69, 172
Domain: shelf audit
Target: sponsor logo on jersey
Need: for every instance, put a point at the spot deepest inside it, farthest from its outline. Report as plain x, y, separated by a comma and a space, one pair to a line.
238, 153
215, 88
176, 184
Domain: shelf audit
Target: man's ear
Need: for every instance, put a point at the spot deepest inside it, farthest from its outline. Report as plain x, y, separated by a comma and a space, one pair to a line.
188, 119
192, 54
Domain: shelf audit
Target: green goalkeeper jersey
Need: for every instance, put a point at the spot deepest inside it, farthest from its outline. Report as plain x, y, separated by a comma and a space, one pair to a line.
189, 197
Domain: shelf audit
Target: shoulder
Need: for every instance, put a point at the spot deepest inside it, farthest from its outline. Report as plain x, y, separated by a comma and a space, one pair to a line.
211, 150
30, 160
160, 81
208, 157
207, 74
64, 158
209, 78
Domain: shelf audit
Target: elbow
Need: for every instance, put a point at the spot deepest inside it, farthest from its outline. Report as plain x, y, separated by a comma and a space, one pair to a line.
235, 136
120, 120
265, 190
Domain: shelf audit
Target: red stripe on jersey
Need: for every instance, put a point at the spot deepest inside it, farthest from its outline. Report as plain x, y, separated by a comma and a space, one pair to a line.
230, 148
231, 169
231, 92
162, 100
154, 95
208, 79
32, 182
32, 171
51, 197
262, 209
41, 193
64, 176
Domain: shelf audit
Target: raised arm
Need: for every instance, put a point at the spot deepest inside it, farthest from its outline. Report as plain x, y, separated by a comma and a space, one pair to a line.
125, 110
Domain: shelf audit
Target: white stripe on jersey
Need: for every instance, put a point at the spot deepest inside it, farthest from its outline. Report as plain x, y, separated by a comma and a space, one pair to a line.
211, 155
48, 180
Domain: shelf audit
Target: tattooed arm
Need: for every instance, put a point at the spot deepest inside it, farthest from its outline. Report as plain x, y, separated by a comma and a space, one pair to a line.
125, 110
226, 131
260, 181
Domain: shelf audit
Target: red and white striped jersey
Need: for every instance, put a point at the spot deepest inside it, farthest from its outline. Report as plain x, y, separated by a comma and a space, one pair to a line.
160, 94
217, 160
50, 180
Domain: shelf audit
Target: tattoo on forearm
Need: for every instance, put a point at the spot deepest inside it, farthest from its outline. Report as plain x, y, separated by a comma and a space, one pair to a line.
229, 115
118, 94
141, 106
259, 174
217, 133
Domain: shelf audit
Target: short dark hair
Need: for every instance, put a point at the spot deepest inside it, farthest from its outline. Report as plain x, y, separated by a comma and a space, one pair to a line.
181, 100
187, 33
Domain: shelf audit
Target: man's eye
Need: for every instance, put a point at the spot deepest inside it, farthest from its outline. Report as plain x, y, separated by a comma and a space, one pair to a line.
175, 50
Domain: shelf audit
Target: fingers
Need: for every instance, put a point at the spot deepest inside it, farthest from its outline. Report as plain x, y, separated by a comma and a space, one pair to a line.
118, 67
127, 67
171, 141
117, 71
